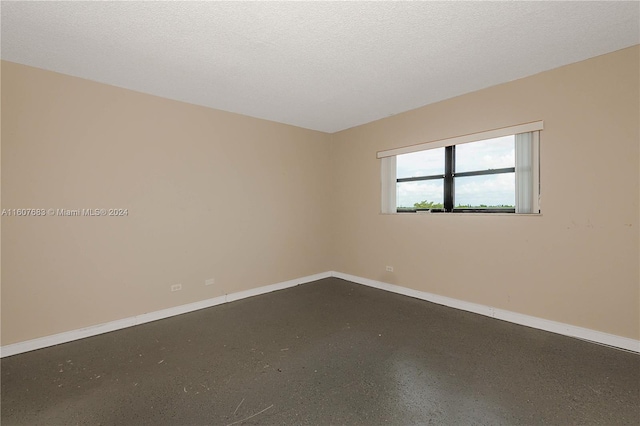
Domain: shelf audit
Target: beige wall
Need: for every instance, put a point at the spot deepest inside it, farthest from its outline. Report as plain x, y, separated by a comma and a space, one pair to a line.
577, 263
209, 193
251, 203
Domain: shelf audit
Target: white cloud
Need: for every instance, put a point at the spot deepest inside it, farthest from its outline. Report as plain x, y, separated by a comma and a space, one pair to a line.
409, 193
490, 190
422, 163
489, 154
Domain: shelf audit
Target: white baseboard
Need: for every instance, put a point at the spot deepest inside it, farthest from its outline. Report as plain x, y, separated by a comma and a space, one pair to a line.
514, 317
68, 336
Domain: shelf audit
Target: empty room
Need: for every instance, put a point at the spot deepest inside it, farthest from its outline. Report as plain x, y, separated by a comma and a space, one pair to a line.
315, 213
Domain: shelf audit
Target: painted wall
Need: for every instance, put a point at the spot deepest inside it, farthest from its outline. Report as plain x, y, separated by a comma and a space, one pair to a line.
251, 202
208, 193
577, 263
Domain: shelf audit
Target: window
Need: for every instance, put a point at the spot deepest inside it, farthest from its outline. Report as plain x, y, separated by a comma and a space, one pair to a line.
489, 172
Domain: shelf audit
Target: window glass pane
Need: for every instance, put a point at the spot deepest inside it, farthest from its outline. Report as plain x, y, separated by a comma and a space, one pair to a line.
421, 163
425, 193
487, 191
495, 153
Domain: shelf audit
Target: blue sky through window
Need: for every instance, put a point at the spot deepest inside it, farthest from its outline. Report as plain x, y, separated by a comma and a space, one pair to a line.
490, 190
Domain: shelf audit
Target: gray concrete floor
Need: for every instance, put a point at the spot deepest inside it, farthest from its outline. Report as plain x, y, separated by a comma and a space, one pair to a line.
329, 352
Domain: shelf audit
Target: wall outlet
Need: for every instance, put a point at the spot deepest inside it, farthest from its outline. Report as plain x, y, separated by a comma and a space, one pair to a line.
389, 268
210, 281
176, 287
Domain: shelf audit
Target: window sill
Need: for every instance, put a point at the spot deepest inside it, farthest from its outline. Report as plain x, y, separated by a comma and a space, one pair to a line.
459, 214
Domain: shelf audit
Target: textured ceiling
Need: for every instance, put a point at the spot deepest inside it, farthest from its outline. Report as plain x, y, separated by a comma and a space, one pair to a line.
321, 65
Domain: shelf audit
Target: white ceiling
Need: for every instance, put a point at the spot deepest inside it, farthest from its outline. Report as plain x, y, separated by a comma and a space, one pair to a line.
320, 65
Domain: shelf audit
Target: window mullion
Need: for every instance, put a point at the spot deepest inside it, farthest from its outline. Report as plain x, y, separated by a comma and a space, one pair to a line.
449, 168
487, 172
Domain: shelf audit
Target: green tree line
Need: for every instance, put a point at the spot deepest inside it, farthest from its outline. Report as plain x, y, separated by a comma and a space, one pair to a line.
433, 205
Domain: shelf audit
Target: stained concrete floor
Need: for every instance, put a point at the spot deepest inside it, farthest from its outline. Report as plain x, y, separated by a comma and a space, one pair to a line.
329, 352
